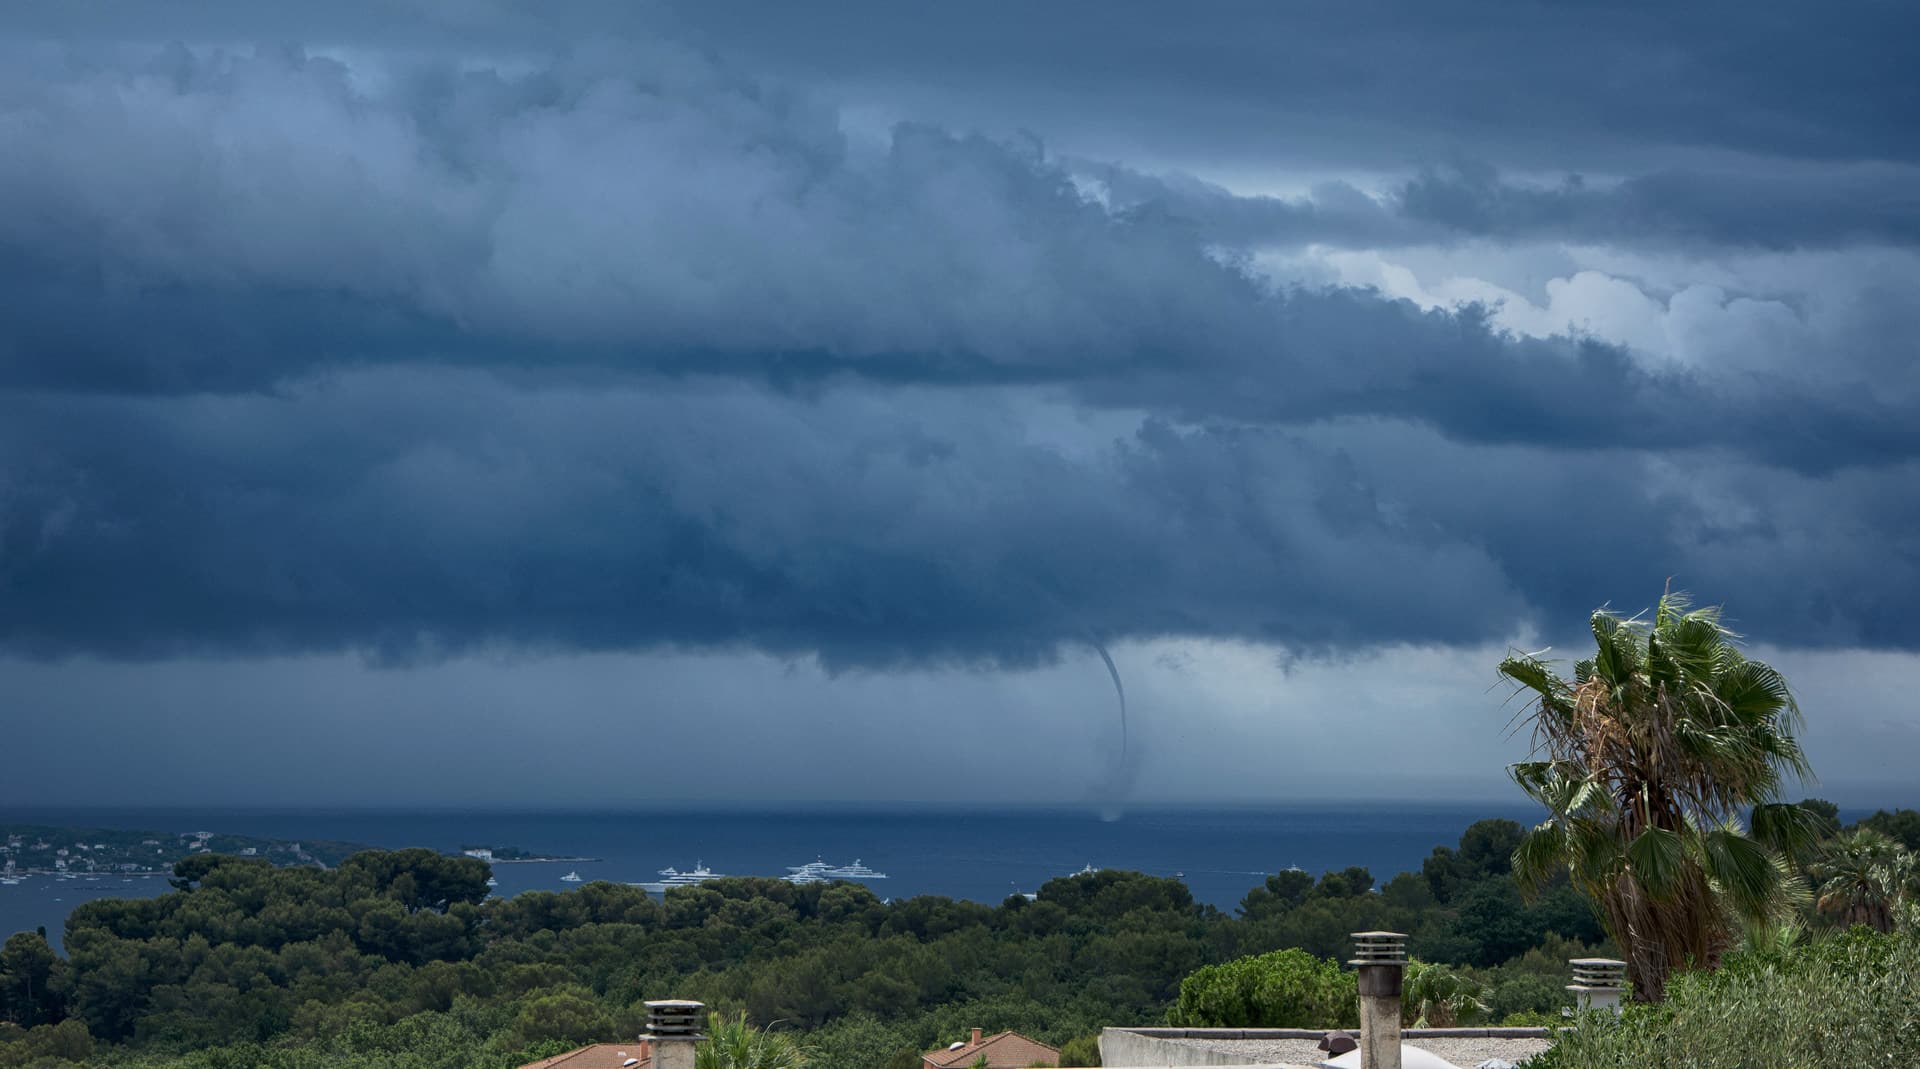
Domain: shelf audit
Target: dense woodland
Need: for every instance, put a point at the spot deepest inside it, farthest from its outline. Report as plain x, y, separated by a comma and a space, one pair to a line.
399, 956
400, 959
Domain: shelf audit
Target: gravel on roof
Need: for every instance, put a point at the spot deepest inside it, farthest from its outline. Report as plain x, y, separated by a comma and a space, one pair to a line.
1464, 1051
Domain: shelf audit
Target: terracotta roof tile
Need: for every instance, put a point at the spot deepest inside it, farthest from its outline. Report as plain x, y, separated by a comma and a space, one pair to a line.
1007, 1050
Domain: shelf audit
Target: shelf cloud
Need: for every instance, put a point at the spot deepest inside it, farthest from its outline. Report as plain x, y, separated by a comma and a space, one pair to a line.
437, 332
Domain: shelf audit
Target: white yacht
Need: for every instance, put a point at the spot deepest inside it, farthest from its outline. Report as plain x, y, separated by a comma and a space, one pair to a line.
815, 871
571, 877
818, 871
491, 882
672, 877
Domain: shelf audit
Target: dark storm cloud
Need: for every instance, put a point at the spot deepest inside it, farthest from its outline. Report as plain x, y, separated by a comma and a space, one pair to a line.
629, 350
1530, 84
416, 514
1373, 84
228, 221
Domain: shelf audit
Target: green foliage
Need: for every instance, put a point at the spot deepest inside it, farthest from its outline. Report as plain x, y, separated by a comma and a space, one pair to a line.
1901, 825
571, 1016
397, 959
1081, 1051
1525, 996
1647, 757
734, 1043
31, 978
1848, 1000
1864, 877
1827, 813
862, 1041
1284, 890
1293, 989
1436, 996
1282, 989
45, 1045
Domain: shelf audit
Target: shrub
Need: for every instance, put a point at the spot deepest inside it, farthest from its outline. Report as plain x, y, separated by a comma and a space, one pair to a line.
1527, 994
1284, 989
1845, 1001
1081, 1051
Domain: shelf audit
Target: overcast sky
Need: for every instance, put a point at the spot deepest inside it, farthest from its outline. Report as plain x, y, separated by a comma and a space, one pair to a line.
438, 403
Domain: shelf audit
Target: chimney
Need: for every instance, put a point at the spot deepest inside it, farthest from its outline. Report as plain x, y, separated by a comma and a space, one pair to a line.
1597, 983
673, 1027
976, 1037
1381, 958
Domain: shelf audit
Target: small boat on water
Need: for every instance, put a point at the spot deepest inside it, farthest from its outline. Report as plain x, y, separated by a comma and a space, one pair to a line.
571, 877
491, 882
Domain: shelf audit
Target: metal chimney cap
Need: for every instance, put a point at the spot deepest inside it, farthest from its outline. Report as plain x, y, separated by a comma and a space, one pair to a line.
1598, 974
1379, 948
674, 1018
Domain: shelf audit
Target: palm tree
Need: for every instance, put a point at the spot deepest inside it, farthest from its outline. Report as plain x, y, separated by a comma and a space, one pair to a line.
736, 1044
1864, 878
1644, 761
1434, 996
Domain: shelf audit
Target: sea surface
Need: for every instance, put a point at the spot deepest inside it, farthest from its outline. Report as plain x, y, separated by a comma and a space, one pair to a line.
981, 855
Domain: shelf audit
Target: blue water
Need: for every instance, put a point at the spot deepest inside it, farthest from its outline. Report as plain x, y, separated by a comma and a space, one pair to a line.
982, 855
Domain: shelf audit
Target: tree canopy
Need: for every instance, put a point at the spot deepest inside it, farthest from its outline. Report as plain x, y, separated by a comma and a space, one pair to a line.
397, 958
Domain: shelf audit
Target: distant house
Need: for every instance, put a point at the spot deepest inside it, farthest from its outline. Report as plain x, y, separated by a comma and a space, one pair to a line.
633, 1055
482, 852
1007, 1050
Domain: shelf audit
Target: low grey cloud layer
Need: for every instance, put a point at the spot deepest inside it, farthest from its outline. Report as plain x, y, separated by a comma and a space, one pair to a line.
1532, 84
449, 334
1807, 207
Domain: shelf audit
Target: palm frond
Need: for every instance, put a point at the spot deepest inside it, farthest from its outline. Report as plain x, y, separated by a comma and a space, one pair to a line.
1530, 673
1743, 869
1787, 828
1541, 852
1659, 860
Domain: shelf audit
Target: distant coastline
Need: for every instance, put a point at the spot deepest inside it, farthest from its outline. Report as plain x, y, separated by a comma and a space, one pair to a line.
513, 855
92, 852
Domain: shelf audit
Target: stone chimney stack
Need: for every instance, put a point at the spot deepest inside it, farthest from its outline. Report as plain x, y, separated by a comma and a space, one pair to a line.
1597, 983
1381, 958
673, 1027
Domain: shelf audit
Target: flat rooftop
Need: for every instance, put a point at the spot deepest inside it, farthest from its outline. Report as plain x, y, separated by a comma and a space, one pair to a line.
1152, 1048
